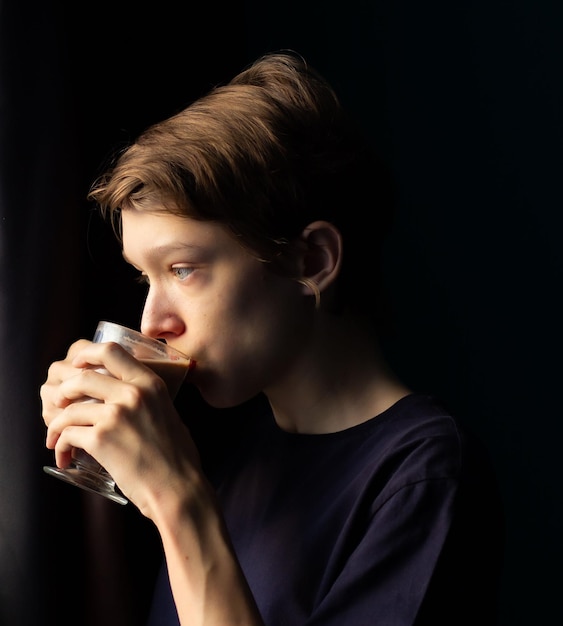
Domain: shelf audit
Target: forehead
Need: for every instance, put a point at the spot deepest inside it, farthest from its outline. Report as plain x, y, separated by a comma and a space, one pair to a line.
146, 232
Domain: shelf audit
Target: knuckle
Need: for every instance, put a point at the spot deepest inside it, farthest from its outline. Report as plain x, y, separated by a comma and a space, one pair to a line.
87, 374
114, 416
134, 396
158, 386
52, 370
111, 348
100, 435
43, 391
77, 346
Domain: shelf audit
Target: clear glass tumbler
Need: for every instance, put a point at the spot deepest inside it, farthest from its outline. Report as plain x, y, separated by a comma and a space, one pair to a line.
171, 365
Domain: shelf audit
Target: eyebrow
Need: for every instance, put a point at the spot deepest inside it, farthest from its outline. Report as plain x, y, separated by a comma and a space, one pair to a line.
167, 248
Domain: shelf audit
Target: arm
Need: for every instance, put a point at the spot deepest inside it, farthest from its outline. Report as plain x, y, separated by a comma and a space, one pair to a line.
137, 435
206, 581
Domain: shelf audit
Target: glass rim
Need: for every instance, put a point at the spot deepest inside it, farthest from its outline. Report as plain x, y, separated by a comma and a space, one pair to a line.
161, 347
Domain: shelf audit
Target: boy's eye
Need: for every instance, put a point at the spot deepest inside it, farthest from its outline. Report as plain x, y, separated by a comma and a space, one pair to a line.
182, 272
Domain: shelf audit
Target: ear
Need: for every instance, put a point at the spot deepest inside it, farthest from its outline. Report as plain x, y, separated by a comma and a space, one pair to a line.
322, 255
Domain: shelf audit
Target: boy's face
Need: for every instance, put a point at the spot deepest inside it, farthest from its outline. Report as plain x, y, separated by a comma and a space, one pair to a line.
210, 299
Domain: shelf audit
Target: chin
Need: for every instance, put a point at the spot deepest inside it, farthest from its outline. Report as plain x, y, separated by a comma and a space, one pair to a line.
218, 397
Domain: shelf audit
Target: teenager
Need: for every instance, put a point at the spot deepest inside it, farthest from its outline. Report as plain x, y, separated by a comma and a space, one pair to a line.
256, 218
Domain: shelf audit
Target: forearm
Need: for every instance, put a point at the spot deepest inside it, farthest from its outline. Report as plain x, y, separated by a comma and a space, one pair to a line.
208, 585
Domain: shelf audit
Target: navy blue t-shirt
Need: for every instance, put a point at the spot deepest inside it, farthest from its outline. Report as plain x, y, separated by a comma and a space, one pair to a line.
393, 522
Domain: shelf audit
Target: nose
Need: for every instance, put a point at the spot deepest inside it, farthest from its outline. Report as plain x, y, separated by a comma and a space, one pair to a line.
160, 320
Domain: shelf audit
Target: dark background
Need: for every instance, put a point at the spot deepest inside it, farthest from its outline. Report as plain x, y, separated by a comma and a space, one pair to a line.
464, 99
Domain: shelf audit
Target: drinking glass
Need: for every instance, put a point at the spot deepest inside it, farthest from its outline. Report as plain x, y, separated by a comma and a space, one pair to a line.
171, 365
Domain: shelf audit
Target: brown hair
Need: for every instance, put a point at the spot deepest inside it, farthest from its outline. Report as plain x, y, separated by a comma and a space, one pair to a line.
264, 155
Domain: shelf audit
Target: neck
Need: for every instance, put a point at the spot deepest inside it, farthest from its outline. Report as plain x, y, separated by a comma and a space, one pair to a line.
340, 379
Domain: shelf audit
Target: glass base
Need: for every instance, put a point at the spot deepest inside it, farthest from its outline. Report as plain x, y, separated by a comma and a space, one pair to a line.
90, 481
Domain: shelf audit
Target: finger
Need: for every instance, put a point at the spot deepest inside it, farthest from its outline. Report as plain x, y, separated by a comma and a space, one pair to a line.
77, 347
61, 369
80, 414
65, 446
114, 359
99, 385
52, 400
57, 373
92, 427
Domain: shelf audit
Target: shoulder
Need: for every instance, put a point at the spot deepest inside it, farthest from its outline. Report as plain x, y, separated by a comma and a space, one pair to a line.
419, 439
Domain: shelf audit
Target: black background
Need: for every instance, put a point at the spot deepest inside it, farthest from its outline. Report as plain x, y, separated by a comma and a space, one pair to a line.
463, 98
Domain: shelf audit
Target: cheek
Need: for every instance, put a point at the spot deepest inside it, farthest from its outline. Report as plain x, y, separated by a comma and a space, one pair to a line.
250, 339
271, 311
249, 318
266, 295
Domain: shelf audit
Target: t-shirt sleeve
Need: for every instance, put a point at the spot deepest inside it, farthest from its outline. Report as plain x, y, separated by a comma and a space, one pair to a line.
386, 576
432, 556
